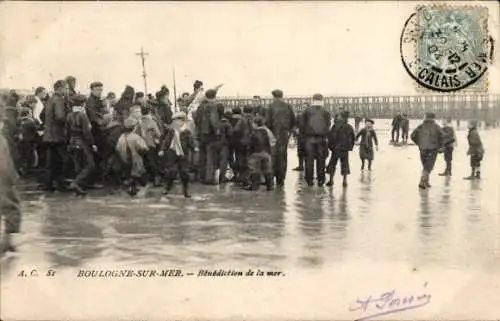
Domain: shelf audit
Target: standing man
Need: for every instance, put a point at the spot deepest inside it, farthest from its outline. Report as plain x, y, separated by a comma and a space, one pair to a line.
207, 128
316, 121
450, 141
80, 144
280, 120
396, 125
96, 109
428, 136
341, 140
163, 107
71, 81
258, 108
54, 136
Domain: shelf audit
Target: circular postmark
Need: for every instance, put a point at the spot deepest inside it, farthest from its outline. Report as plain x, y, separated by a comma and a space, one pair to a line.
446, 49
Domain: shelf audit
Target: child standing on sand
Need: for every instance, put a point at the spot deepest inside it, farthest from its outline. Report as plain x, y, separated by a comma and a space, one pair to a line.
368, 140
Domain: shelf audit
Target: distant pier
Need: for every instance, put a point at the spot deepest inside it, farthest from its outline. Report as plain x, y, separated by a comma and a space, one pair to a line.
485, 107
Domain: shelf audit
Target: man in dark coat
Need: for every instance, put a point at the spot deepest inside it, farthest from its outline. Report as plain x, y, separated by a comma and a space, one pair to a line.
163, 108
54, 136
207, 127
281, 121
96, 110
258, 108
428, 136
71, 81
123, 105
340, 141
316, 121
396, 126
80, 144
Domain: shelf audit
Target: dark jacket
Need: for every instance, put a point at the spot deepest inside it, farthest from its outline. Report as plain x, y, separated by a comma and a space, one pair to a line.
280, 120
316, 121
405, 124
242, 131
207, 119
187, 141
10, 129
55, 120
259, 141
396, 121
475, 144
341, 136
428, 136
365, 141
28, 128
260, 110
78, 126
164, 112
95, 110
226, 132
122, 108
448, 136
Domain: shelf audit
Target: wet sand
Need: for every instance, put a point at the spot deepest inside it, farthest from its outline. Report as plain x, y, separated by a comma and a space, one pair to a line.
333, 244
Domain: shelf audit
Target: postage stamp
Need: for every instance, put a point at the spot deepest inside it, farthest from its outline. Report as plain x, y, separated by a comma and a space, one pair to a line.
447, 48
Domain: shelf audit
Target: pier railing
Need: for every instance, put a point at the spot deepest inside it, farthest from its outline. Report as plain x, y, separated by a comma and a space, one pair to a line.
457, 106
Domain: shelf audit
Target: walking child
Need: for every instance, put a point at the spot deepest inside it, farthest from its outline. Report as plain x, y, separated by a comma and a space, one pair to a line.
28, 132
475, 151
262, 141
174, 151
368, 139
450, 141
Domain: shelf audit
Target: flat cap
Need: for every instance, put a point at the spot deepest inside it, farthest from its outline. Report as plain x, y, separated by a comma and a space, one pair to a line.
78, 100
95, 84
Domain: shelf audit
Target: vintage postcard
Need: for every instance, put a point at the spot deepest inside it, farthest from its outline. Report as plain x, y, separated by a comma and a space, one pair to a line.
329, 160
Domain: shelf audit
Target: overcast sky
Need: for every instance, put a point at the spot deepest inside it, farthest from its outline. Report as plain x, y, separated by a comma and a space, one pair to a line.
329, 47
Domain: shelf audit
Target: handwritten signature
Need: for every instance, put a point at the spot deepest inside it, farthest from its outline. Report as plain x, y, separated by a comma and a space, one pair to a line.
388, 303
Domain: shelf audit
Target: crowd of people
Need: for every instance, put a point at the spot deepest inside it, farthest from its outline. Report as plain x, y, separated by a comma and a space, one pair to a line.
85, 141
137, 140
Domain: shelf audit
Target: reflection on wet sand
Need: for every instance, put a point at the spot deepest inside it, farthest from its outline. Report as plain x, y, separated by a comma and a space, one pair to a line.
380, 216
